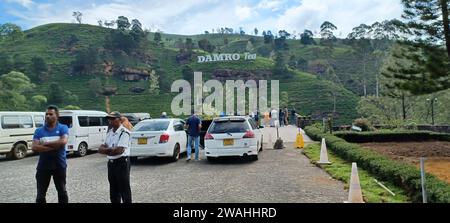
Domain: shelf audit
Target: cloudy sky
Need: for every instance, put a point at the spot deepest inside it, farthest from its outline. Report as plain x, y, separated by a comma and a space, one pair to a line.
196, 16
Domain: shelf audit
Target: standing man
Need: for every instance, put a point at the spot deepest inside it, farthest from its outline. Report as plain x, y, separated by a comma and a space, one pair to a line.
193, 125
117, 149
293, 117
50, 142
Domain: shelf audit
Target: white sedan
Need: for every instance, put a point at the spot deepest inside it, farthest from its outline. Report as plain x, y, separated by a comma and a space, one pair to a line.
233, 136
158, 138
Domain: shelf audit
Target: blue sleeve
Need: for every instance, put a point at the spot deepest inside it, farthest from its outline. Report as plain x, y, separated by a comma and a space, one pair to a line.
37, 135
64, 130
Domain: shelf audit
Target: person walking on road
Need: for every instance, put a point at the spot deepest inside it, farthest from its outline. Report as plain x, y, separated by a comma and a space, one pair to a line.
117, 149
194, 126
50, 142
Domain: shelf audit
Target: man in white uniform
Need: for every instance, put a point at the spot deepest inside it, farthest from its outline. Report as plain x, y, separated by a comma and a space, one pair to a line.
117, 149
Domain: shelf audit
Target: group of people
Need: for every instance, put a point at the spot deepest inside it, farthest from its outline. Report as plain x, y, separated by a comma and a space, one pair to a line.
275, 118
50, 141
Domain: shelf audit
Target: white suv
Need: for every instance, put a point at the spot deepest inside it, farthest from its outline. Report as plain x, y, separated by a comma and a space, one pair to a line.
233, 136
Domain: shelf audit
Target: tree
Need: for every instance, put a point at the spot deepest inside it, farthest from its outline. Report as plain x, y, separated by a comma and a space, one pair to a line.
110, 24
38, 102
255, 31
6, 64
268, 37
13, 86
123, 23
78, 16
426, 48
55, 94
280, 44
157, 38
205, 45
39, 68
188, 73
100, 23
85, 61
326, 32
241, 31
136, 26
11, 31
284, 34
306, 38
362, 44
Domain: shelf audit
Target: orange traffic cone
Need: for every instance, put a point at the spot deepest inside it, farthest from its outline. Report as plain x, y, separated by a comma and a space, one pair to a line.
324, 154
355, 193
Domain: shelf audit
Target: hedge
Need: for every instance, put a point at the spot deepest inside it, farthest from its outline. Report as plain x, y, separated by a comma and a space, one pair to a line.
404, 136
402, 175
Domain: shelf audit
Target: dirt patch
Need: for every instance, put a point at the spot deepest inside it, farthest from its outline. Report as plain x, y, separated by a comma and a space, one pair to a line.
436, 152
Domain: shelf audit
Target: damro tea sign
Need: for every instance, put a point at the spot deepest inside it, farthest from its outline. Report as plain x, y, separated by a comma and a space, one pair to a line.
225, 57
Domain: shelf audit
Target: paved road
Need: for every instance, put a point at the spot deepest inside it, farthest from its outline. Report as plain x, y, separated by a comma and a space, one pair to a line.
279, 176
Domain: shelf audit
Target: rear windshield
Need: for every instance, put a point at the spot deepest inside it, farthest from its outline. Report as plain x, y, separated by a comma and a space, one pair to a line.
229, 126
66, 120
151, 126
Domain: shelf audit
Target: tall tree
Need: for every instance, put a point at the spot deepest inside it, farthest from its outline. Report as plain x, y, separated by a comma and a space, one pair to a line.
11, 31
326, 32
307, 38
13, 86
362, 44
255, 31
123, 23
78, 16
427, 48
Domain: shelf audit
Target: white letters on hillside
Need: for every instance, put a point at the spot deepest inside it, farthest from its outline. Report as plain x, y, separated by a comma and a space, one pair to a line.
225, 57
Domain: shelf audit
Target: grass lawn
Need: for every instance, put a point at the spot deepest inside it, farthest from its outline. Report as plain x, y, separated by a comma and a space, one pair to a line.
341, 170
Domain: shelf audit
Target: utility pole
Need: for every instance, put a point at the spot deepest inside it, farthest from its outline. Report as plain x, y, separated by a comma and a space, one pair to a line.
432, 101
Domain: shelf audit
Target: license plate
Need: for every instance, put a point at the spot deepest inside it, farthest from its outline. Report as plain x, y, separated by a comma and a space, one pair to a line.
142, 141
228, 142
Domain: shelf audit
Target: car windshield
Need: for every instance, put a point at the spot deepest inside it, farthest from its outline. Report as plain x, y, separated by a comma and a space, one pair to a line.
151, 126
66, 120
229, 126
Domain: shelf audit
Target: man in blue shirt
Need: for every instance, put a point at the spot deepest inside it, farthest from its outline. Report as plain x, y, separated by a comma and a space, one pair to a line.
194, 125
50, 142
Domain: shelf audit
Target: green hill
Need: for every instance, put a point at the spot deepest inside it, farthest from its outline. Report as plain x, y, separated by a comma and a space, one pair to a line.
309, 93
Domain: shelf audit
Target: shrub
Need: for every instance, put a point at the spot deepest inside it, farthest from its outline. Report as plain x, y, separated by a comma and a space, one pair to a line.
402, 175
363, 123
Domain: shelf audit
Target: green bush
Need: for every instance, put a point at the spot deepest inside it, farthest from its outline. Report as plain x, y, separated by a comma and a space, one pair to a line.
399, 174
392, 136
363, 123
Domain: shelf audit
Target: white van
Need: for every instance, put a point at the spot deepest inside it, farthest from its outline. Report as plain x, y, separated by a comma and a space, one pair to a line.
87, 130
16, 132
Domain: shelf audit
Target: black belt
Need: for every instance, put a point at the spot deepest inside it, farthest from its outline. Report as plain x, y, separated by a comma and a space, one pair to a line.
121, 159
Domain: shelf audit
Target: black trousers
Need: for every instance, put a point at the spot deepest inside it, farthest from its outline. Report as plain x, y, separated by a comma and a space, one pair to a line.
119, 180
43, 181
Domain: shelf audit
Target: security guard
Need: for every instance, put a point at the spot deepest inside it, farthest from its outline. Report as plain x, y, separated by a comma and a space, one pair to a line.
117, 149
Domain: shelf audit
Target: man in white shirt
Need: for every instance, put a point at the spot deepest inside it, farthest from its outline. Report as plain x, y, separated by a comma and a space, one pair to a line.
274, 118
117, 149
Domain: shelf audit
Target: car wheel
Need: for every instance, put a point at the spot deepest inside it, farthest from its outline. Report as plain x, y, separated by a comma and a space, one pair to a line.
176, 153
82, 149
254, 158
19, 151
211, 159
